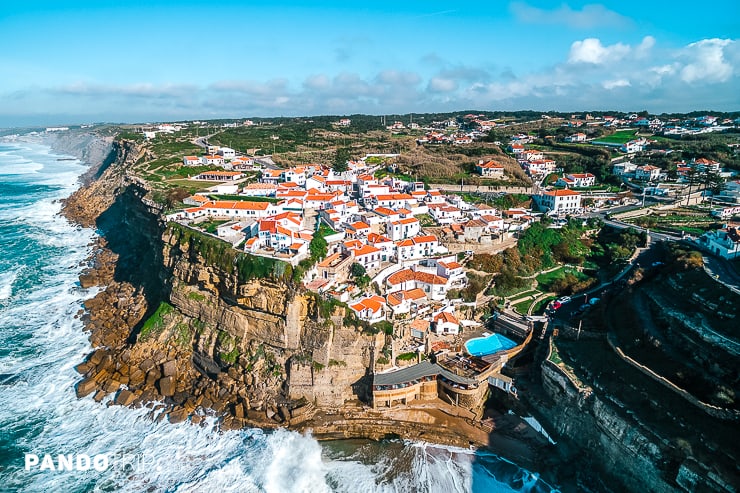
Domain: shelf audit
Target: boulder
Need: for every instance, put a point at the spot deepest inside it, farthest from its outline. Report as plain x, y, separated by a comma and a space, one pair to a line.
177, 415
136, 377
86, 387
125, 398
169, 368
166, 386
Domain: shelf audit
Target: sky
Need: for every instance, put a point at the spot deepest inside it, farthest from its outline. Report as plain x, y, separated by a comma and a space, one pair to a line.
161, 60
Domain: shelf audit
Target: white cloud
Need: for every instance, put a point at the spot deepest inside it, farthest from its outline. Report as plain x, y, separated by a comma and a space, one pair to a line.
612, 84
590, 50
439, 84
706, 61
643, 49
590, 16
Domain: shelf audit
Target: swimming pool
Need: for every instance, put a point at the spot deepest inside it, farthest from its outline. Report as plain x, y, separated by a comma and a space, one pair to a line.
483, 346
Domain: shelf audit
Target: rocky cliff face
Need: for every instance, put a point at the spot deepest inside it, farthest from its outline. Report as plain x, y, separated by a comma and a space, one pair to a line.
608, 438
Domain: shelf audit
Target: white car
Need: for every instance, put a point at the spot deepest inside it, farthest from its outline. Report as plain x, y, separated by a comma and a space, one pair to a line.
564, 299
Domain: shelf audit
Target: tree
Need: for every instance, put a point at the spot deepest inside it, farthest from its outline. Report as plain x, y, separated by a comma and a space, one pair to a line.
714, 182
357, 270
359, 273
340, 160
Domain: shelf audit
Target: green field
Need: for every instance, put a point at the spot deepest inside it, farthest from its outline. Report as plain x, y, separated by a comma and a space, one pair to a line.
617, 137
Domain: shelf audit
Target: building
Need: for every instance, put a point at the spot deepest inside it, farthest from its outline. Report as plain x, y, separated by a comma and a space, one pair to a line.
433, 286
624, 168
638, 145
446, 323
460, 380
532, 155
335, 267
576, 180
227, 153
731, 193
540, 166
647, 172
219, 176
368, 256
490, 169
191, 161
558, 201
212, 159
403, 228
577, 137
416, 247
723, 242
370, 309
704, 165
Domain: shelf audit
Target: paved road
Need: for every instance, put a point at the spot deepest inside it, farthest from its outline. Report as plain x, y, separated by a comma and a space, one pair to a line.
720, 270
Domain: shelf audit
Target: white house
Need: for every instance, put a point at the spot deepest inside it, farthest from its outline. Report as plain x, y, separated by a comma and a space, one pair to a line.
540, 166
577, 180
558, 201
370, 309
723, 242
445, 214
577, 137
446, 323
368, 256
625, 168
403, 228
227, 153
490, 169
417, 247
295, 175
212, 159
647, 172
434, 286
191, 161
532, 155
634, 146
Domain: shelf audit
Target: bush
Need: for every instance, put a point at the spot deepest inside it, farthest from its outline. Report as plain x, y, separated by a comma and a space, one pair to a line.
406, 357
155, 323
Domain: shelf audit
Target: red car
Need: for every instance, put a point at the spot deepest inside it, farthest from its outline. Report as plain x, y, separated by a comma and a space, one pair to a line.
556, 305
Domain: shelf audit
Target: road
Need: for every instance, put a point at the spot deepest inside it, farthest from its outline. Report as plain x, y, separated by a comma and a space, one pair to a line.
720, 270
645, 259
480, 188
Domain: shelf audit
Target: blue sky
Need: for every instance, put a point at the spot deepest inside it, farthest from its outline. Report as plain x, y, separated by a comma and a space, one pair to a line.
162, 60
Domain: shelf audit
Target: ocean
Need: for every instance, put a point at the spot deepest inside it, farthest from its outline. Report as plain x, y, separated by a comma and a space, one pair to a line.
42, 338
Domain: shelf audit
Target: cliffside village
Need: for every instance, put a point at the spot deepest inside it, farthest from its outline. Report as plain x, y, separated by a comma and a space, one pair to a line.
407, 239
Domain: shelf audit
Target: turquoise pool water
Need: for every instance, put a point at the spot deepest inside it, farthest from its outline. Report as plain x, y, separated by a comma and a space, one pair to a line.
483, 346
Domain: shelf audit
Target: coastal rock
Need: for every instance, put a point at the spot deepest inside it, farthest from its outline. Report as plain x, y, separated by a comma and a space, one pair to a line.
125, 398
166, 386
177, 415
169, 368
86, 387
